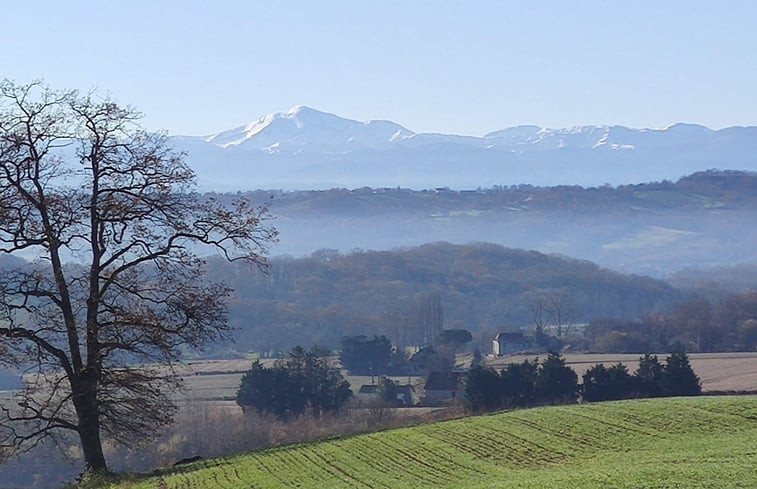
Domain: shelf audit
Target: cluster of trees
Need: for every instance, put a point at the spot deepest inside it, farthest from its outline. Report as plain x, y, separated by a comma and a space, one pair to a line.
362, 355
522, 384
304, 381
652, 379
695, 325
551, 381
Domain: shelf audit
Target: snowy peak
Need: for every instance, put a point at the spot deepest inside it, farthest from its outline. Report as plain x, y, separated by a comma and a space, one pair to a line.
296, 109
598, 137
308, 148
302, 128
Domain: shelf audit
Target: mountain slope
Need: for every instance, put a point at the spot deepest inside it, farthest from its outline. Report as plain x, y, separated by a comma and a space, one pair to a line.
306, 148
681, 442
305, 129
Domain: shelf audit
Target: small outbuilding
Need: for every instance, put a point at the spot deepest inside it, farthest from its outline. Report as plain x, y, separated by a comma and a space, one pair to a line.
444, 387
368, 393
405, 394
508, 343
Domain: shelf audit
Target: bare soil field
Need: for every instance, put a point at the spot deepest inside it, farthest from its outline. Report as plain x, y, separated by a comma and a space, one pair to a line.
214, 380
718, 371
218, 380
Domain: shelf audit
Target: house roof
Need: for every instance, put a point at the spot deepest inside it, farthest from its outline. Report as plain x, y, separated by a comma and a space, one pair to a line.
368, 389
373, 389
447, 381
511, 337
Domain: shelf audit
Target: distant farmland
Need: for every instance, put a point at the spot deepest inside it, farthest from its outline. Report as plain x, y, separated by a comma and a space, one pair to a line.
718, 371
215, 379
663, 443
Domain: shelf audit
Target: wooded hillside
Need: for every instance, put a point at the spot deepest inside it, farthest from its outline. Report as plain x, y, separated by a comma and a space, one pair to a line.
484, 288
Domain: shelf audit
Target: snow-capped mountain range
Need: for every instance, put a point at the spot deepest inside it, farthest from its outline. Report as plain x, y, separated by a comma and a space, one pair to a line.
304, 148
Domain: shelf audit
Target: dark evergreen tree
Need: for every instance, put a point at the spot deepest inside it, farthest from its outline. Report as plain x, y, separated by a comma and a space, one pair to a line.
519, 383
257, 389
649, 376
304, 380
556, 382
454, 338
363, 356
595, 382
428, 359
679, 378
482, 389
607, 384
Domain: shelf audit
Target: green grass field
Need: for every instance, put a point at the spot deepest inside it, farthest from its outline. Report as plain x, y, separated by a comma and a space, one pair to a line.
708, 442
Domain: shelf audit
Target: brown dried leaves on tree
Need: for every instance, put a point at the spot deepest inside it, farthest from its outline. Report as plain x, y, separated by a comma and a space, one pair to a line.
114, 290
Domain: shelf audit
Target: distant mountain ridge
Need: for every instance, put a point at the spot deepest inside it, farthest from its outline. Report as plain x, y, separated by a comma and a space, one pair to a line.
306, 148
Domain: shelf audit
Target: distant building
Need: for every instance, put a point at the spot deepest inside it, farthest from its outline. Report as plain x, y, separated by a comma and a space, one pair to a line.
405, 395
444, 387
369, 393
508, 343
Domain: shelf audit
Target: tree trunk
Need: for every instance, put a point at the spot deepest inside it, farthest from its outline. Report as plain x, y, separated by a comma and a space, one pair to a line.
89, 429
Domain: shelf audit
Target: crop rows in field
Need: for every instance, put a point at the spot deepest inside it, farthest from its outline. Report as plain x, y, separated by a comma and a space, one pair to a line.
687, 440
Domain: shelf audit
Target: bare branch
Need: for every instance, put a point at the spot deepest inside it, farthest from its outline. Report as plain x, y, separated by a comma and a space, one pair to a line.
81, 180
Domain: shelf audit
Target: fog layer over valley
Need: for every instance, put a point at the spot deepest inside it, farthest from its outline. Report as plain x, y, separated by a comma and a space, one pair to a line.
701, 221
367, 261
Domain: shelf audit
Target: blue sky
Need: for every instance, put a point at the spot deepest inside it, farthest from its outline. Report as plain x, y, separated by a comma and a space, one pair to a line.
442, 66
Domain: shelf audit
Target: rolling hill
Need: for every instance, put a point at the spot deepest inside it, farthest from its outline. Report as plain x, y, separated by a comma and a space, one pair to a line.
663, 443
323, 297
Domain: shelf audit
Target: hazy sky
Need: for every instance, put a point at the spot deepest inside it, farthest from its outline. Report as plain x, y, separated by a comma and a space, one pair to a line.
466, 67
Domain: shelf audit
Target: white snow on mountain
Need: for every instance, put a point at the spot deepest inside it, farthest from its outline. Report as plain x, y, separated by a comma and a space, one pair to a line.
302, 128
307, 148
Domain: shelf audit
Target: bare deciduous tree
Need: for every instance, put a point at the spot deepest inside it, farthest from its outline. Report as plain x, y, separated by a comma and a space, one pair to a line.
115, 290
554, 307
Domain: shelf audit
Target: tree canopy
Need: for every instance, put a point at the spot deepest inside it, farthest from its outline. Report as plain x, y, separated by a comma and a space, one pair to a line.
107, 213
366, 356
304, 380
454, 338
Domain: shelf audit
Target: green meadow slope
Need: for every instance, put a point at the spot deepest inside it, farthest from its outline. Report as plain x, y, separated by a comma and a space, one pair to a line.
708, 442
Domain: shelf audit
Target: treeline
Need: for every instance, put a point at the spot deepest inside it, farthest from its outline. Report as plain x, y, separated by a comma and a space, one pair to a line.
533, 383
694, 325
698, 191
483, 288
